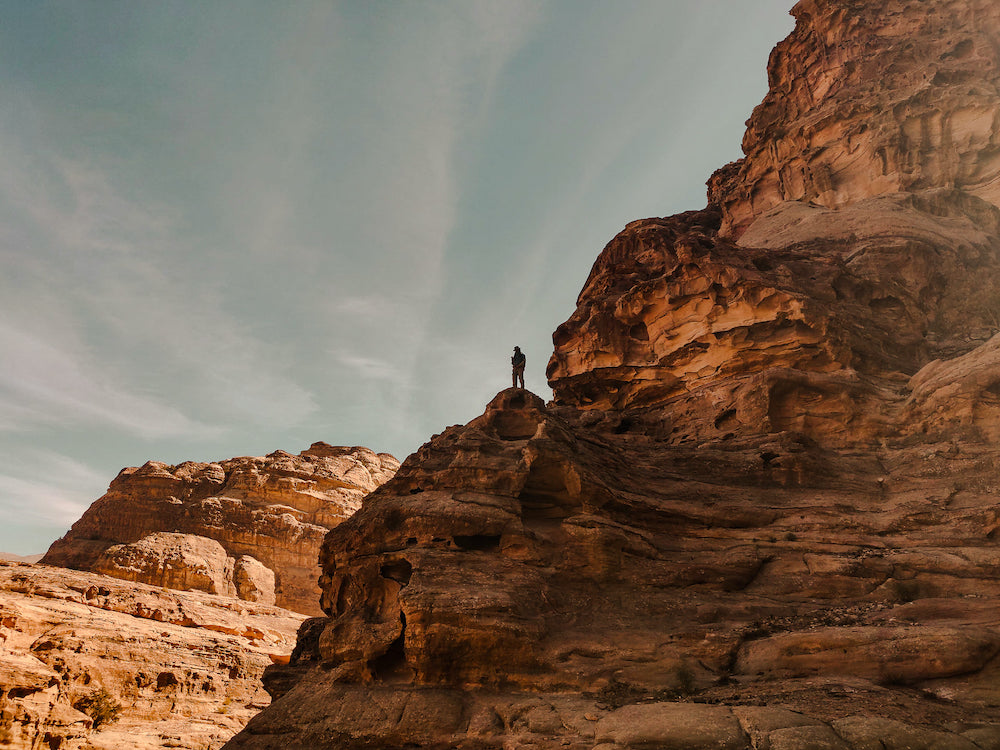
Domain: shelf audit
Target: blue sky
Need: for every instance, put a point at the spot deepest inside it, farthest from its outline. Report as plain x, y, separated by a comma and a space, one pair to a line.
232, 227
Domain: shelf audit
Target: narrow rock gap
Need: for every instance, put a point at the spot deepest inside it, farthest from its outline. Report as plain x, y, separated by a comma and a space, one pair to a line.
391, 665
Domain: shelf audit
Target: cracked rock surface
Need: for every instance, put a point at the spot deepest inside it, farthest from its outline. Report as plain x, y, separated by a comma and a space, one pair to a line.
184, 666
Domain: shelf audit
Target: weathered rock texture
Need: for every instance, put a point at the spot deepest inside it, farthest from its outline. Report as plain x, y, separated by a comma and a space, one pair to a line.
870, 97
761, 511
814, 323
246, 527
185, 667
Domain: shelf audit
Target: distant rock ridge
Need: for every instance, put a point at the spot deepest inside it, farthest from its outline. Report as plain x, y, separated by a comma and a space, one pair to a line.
761, 512
249, 527
11, 557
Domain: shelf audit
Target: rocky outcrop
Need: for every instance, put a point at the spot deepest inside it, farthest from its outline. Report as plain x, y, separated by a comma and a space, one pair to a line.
814, 322
761, 511
188, 563
867, 98
247, 527
184, 668
535, 579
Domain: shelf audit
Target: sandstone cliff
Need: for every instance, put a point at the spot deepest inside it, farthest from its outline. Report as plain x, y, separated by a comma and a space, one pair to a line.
761, 511
184, 667
246, 527
870, 97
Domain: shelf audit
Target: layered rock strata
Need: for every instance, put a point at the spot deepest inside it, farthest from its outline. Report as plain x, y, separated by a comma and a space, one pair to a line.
871, 97
529, 580
246, 527
814, 322
188, 563
761, 511
183, 667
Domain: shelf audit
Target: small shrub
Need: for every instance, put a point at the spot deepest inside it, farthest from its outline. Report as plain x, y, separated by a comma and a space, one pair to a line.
100, 706
685, 678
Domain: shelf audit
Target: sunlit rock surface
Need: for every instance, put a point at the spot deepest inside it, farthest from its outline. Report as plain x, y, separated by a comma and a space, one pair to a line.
248, 527
870, 97
815, 322
185, 667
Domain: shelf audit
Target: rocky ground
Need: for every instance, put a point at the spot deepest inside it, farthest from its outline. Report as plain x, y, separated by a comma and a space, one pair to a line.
184, 667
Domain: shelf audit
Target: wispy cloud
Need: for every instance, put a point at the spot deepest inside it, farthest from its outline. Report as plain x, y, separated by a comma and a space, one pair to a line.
373, 368
41, 384
113, 302
43, 493
441, 70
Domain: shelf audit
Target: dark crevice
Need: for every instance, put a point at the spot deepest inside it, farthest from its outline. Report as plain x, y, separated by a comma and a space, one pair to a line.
478, 542
391, 666
341, 598
545, 495
639, 332
623, 425
725, 418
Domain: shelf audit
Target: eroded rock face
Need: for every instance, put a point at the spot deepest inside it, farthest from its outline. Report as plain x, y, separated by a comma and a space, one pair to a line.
813, 323
173, 561
871, 97
185, 667
189, 526
532, 577
761, 511
187, 562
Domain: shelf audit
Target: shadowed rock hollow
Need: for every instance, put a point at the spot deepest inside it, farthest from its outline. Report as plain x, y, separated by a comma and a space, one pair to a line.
761, 511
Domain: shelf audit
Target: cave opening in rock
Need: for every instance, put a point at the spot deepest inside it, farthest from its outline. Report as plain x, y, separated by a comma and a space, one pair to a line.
726, 419
639, 332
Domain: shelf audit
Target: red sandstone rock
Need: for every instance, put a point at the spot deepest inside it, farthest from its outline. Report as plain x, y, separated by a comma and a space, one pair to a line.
816, 329
174, 561
274, 510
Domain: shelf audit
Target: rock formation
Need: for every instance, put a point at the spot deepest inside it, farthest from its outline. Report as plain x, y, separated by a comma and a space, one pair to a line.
867, 98
761, 511
246, 527
184, 667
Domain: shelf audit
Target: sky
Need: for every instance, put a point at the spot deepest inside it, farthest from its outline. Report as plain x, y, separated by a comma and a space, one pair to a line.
233, 227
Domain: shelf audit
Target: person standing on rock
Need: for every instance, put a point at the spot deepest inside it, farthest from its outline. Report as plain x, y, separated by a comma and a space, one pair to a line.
517, 362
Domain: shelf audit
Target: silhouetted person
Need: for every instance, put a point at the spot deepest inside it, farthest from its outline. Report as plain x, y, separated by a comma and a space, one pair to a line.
517, 362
